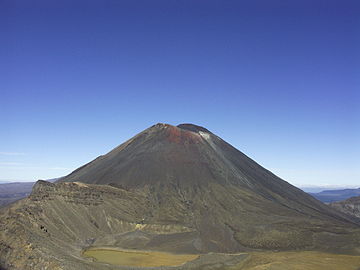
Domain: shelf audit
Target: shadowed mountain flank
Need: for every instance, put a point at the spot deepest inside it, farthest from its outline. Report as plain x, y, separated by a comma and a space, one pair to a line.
178, 189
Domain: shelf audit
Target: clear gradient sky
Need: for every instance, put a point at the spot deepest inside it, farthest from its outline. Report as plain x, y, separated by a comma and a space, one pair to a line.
279, 80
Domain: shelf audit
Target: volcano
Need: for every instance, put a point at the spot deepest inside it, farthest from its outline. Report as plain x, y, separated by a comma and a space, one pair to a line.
178, 189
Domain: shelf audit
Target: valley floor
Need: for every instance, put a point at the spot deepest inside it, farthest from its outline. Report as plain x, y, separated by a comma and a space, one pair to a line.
138, 258
302, 260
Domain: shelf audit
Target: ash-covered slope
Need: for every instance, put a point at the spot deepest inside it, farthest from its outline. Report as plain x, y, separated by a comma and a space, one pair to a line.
179, 189
189, 158
185, 156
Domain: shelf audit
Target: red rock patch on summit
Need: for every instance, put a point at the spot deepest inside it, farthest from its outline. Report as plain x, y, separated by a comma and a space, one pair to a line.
180, 136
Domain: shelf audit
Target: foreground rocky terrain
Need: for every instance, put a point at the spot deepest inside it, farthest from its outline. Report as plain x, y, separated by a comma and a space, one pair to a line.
175, 189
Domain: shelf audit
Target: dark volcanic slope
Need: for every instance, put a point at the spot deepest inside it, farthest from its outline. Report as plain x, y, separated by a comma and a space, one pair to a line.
189, 158
179, 189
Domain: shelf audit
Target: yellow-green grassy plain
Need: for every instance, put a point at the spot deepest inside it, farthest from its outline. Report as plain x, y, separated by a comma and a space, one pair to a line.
138, 258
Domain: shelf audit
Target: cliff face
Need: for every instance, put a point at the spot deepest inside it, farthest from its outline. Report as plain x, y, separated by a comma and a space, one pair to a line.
50, 228
176, 189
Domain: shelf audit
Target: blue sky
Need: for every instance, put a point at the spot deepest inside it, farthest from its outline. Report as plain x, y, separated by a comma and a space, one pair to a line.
279, 80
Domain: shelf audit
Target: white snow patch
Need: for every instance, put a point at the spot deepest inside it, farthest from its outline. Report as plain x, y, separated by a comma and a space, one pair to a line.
205, 135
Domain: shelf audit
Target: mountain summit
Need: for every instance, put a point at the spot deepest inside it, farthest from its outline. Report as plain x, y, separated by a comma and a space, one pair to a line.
185, 155
178, 189
161, 154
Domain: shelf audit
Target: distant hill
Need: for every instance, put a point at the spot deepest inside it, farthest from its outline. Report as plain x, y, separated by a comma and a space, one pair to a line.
317, 189
13, 191
350, 206
328, 196
4, 182
10, 192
